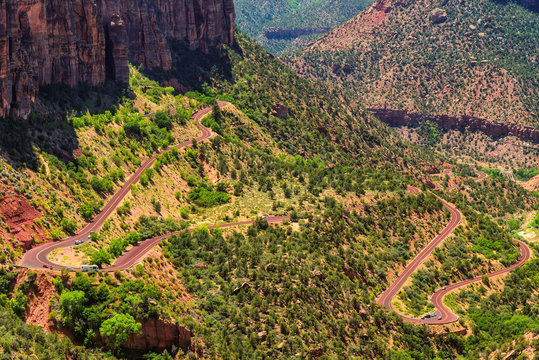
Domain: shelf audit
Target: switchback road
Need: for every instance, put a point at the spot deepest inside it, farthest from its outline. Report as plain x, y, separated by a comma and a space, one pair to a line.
443, 314
38, 256
387, 296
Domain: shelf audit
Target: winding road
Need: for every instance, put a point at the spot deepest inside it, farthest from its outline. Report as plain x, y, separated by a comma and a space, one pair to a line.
443, 314
386, 297
37, 258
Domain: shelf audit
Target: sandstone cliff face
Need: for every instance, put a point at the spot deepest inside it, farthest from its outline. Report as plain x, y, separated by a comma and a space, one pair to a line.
75, 41
43, 42
494, 129
159, 335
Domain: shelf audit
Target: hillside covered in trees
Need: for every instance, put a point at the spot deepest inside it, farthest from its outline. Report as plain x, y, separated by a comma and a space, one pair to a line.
454, 57
317, 219
286, 25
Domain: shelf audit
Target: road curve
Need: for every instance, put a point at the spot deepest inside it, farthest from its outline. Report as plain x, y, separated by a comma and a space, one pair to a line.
438, 297
480, 175
387, 296
136, 253
37, 257
443, 314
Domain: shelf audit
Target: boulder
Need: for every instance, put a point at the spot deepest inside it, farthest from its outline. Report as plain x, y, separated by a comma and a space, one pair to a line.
437, 16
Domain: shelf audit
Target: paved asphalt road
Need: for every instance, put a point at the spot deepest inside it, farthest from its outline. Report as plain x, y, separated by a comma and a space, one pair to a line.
37, 257
387, 296
443, 314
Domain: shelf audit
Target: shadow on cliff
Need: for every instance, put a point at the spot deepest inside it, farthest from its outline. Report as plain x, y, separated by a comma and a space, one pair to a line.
47, 130
193, 68
20, 138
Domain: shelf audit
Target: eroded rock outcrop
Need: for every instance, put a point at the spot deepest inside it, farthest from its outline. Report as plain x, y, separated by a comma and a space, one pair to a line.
462, 122
159, 335
19, 216
84, 41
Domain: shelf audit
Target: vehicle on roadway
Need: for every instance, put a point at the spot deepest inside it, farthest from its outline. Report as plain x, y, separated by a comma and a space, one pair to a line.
45, 266
443, 287
78, 242
428, 316
89, 268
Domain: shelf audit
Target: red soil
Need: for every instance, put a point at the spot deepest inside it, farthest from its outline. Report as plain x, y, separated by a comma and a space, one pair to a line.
39, 298
19, 215
38, 307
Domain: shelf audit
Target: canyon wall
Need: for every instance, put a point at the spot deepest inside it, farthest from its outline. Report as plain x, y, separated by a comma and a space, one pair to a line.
86, 41
159, 335
462, 122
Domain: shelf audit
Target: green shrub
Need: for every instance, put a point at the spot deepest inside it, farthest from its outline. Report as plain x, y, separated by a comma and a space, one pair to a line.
69, 225
205, 196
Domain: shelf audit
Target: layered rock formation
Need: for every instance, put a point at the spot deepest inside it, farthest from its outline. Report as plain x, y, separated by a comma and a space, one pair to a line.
463, 122
159, 335
84, 41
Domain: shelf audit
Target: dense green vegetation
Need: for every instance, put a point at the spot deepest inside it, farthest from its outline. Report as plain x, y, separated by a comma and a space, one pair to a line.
21, 341
477, 249
108, 308
78, 163
267, 293
525, 174
303, 289
411, 63
255, 16
497, 196
506, 314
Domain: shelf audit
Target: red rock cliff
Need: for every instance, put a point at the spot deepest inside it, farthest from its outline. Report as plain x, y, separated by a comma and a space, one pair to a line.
491, 128
76, 41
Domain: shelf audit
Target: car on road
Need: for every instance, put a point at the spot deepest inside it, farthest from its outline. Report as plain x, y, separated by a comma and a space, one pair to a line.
428, 316
45, 266
443, 287
439, 318
78, 242
69, 268
89, 268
